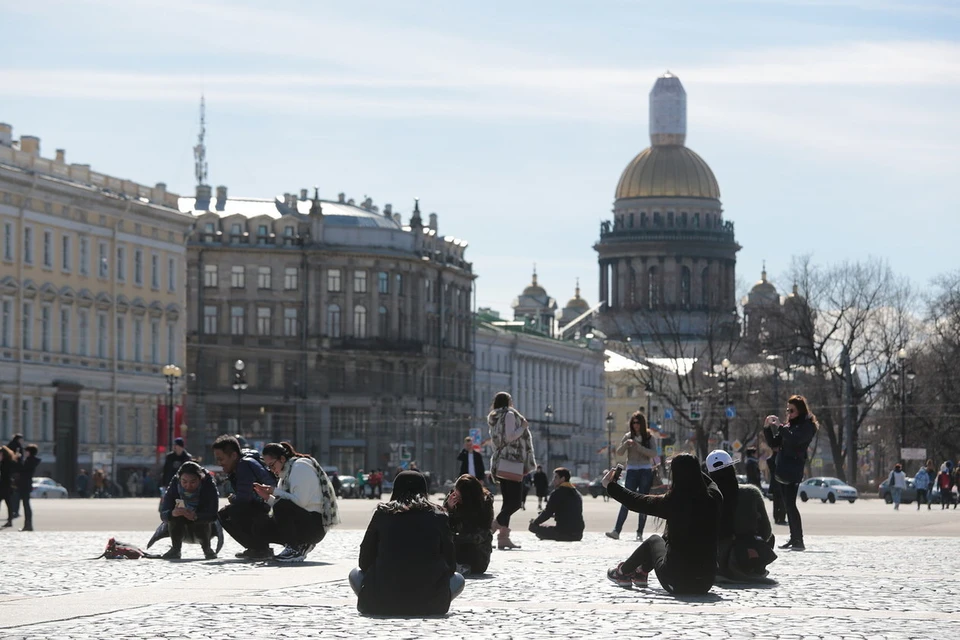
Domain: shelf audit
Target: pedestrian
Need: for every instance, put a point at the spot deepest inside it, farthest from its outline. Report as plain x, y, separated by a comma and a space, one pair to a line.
189, 507
527, 484
173, 461
335, 481
304, 503
923, 484
82, 483
407, 564
793, 438
99, 484
776, 495
897, 483
956, 483
28, 467
945, 484
540, 486
512, 458
566, 507
361, 483
16, 445
471, 460
133, 484
246, 517
470, 509
8, 466
685, 558
636, 444
752, 467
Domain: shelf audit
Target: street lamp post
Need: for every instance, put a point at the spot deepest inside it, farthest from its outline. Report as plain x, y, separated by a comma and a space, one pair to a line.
725, 381
548, 416
610, 422
904, 377
239, 385
172, 373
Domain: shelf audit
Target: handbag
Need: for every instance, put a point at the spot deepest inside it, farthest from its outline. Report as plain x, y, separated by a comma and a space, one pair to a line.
510, 470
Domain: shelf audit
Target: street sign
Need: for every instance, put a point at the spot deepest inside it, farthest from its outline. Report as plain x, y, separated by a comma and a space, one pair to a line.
476, 437
737, 445
695, 411
913, 453
731, 411
669, 450
668, 414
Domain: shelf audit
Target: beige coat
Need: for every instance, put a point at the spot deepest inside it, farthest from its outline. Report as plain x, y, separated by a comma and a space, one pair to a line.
636, 453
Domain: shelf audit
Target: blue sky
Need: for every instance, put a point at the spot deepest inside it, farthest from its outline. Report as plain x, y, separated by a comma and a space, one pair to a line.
831, 125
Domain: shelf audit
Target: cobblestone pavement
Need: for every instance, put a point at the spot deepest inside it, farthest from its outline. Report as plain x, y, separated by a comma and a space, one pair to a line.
841, 587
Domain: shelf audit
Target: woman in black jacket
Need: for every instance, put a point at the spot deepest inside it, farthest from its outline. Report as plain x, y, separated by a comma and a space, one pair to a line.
189, 507
685, 559
793, 438
407, 557
8, 466
470, 508
27, 468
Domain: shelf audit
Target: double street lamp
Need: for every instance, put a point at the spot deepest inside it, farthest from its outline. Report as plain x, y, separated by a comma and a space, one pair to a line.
548, 416
239, 385
172, 372
903, 377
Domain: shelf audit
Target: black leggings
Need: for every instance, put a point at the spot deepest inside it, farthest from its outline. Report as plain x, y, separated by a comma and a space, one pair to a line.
789, 493
652, 556
511, 492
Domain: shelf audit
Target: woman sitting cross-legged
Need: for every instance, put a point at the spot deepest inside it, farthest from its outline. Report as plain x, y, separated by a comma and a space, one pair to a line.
470, 507
685, 559
407, 557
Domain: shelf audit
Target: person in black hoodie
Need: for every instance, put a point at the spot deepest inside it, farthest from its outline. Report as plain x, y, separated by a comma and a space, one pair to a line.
470, 508
28, 467
246, 518
407, 557
565, 506
793, 438
190, 509
685, 558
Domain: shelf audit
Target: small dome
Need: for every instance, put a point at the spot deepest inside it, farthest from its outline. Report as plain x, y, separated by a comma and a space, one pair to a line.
670, 171
764, 291
576, 303
533, 289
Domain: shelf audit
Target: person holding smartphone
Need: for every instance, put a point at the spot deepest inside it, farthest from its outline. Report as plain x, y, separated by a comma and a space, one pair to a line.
793, 437
637, 446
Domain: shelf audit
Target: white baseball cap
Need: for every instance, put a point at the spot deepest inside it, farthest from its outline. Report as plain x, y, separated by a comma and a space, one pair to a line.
718, 459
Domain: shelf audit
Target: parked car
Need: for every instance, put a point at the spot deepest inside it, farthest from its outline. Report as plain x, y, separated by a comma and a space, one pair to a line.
349, 487
909, 493
828, 490
582, 485
595, 489
47, 488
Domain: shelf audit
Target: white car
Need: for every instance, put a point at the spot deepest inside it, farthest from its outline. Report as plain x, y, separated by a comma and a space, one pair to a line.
47, 488
828, 490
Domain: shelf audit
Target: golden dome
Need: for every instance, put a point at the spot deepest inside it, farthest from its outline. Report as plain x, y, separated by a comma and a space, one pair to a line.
670, 171
576, 303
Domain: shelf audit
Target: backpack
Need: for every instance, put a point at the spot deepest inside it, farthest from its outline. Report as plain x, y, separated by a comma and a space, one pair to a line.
117, 550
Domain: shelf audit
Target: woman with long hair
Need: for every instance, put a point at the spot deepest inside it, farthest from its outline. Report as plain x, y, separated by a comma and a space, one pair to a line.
637, 446
8, 466
512, 458
470, 507
407, 559
792, 439
685, 558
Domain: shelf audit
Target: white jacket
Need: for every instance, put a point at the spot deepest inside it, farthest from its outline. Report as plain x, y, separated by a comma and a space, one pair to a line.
300, 483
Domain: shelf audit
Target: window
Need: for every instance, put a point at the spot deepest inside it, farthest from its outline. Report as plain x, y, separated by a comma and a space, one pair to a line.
685, 286
333, 320
360, 321
64, 330
121, 424
83, 320
26, 418
657, 220
383, 282
155, 342
46, 420
102, 423
138, 340
137, 421
45, 328
210, 278
8, 241
121, 264
171, 342
27, 319
653, 288
102, 266
84, 426
263, 234
238, 277
236, 321
84, 256
155, 271
263, 321
264, 279
383, 322
683, 219
171, 274
28, 245
66, 261
290, 328
696, 221
630, 220
359, 281
399, 284
669, 218
291, 278
6, 428
6, 328
333, 280
101, 335
121, 339
138, 267
210, 319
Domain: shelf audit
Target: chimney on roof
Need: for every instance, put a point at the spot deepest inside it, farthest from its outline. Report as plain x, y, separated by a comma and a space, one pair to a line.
303, 194
388, 210
341, 197
398, 219
203, 197
6, 134
31, 145
61, 156
433, 221
350, 201
367, 203
221, 196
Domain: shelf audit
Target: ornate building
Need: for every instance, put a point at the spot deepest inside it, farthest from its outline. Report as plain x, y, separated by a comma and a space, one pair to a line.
771, 323
667, 259
536, 308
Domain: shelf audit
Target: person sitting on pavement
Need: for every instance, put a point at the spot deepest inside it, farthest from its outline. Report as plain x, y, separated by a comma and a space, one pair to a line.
746, 541
189, 507
407, 557
304, 503
247, 517
685, 558
470, 509
565, 506
173, 461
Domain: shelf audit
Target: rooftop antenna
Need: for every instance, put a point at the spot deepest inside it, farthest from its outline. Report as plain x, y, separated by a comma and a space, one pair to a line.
200, 151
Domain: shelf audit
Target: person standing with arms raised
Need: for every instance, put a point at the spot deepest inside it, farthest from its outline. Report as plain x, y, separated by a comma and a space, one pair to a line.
512, 458
636, 444
792, 438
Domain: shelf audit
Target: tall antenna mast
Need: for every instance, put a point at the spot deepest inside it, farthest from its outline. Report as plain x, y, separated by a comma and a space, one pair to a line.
200, 151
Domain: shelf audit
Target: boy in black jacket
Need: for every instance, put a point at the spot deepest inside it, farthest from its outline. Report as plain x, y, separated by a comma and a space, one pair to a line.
247, 517
564, 505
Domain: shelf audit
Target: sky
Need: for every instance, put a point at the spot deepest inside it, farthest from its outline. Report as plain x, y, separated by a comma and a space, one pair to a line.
831, 125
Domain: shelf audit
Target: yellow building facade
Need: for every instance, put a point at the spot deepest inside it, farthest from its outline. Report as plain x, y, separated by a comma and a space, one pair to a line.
92, 305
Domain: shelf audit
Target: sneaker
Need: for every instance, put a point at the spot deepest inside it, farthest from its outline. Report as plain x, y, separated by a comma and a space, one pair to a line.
639, 536
787, 545
798, 546
613, 534
286, 553
640, 578
619, 578
299, 555
172, 554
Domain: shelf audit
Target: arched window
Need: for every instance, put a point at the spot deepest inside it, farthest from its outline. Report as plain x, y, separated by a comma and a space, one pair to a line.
696, 221
360, 321
630, 220
705, 287
685, 286
657, 220
653, 288
383, 323
669, 218
333, 321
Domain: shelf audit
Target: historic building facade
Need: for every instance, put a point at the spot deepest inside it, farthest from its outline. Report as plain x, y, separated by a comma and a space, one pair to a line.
92, 294
667, 258
355, 329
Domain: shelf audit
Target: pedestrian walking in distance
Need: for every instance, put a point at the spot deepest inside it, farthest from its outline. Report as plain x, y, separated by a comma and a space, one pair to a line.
471, 460
897, 483
923, 482
28, 467
540, 486
637, 446
792, 438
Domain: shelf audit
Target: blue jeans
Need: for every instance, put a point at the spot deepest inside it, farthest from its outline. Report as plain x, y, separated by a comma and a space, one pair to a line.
896, 491
639, 481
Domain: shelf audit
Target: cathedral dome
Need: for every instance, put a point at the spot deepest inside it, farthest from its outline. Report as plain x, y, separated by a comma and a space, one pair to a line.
671, 171
576, 303
763, 292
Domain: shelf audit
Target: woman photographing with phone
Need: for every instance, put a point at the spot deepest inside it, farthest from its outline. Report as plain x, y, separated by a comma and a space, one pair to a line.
793, 438
640, 454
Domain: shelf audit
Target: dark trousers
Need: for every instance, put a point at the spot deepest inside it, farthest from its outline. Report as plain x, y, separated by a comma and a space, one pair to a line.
652, 556
183, 530
555, 533
638, 480
922, 497
511, 492
27, 510
11, 506
789, 493
776, 495
294, 526
248, 523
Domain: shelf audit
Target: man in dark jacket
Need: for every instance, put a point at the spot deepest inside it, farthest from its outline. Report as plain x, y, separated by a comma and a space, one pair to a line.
246, 518
471, 461
566, 507
189, 508
540, 486
752, 467
27, 468
173, 461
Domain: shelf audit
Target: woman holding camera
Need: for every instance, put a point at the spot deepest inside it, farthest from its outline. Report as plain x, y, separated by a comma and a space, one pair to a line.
792, 439
636, 445
512, 459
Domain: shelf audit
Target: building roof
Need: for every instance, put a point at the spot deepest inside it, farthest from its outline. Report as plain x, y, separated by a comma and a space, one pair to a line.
668, 171
334, 213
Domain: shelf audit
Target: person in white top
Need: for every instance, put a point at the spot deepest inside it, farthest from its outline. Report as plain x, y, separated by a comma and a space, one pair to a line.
897, 483
304, 502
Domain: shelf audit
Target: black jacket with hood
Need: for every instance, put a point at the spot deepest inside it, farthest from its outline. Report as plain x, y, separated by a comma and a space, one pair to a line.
209, 498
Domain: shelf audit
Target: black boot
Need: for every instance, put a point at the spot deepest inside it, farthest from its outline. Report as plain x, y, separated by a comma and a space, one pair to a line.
787, 545
27, 526
798, 545
9, 523
173, 553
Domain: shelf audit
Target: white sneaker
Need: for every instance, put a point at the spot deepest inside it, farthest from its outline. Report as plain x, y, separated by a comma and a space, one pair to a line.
613, 534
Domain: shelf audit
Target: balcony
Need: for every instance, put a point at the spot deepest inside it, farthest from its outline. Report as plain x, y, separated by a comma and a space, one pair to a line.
724, 233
